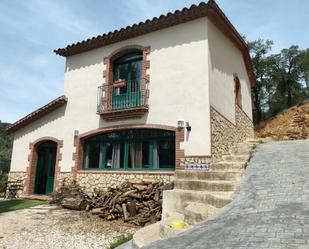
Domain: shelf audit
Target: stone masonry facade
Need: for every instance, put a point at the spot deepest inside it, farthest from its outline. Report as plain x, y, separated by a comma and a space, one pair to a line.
16, 176
89, 181
225, 134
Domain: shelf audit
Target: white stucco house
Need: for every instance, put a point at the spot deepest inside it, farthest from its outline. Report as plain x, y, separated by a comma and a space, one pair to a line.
147, 99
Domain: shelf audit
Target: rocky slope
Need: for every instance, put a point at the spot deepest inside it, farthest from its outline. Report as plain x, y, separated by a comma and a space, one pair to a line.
291, 124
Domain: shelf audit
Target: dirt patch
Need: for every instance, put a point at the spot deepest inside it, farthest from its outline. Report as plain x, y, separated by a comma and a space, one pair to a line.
291, 124
49, 226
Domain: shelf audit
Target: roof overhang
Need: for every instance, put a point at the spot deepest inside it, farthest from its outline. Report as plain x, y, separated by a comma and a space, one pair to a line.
210, 9
51, 106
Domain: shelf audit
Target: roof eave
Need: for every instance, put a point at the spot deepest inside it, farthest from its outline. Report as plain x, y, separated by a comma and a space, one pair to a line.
37, 114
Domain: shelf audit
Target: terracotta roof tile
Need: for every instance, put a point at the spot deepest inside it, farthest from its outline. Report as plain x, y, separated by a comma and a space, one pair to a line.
51, 106
210, 9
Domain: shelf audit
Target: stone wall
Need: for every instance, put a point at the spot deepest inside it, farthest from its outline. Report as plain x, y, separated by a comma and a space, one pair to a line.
89, 181
19, 175
225, 134
64, 177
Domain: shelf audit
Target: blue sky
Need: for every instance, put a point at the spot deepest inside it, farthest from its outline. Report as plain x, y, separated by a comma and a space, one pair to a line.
31, 74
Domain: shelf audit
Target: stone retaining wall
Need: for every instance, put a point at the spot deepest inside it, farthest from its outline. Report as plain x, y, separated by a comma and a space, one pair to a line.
64, 177
14, 176
225, 134
89, 181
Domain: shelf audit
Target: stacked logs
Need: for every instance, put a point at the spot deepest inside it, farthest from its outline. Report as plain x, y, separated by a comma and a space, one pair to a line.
137, 202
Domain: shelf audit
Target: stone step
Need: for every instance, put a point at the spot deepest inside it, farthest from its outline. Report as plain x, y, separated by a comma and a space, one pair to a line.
236, 158
146, 235
207, 185
197, 212
227, 166
177, 199
241, 149
167, 231
208, 175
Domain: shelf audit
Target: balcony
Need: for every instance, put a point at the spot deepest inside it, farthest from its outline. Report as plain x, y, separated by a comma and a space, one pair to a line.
121, 100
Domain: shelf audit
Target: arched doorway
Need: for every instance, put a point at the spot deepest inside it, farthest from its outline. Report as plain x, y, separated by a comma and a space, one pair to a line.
45, 167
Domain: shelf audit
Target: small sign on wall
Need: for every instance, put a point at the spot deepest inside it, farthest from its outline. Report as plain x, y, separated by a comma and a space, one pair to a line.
197, 166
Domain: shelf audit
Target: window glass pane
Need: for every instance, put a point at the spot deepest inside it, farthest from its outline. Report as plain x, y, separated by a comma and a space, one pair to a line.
92, 155
135, 155
136, 75
109, 154
120, 72
122, 155
146, 162
167, 153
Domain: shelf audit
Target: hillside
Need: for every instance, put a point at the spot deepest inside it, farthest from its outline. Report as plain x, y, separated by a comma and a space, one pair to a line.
5, 148
290, 124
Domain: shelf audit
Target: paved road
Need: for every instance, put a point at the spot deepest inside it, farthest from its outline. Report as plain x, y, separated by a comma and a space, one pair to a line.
270, 208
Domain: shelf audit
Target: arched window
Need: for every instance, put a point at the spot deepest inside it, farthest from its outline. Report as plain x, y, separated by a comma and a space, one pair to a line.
134, 149
127, 76
238, 99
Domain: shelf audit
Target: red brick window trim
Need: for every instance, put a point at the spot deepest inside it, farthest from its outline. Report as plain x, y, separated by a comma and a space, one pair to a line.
109, 114
237, 89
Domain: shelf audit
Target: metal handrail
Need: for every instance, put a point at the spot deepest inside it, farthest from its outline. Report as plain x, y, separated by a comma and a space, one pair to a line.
133, 97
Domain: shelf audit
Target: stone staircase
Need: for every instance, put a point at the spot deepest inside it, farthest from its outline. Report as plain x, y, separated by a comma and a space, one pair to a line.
198, 194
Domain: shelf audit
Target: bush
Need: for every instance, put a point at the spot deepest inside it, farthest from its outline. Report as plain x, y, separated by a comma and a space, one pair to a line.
3, 178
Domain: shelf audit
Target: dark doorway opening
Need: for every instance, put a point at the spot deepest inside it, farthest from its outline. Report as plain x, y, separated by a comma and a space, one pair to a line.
45, 168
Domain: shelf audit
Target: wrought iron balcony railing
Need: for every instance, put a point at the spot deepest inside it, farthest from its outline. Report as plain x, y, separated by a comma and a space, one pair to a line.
111, 98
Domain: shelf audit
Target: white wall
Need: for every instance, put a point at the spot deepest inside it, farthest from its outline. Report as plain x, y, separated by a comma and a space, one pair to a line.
225, 59
178, 90
51, 125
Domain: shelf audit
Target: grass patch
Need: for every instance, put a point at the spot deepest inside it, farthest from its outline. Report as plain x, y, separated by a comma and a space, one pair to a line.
12, 205
121, 240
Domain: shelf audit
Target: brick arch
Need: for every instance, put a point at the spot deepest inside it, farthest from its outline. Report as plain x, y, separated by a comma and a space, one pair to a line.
78, 141
124, 50
107, 73
32, 158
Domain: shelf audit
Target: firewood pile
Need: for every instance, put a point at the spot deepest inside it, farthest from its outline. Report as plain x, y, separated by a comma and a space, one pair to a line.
137, 202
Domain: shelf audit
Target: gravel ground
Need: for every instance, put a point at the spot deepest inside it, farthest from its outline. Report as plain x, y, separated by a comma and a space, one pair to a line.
47, 226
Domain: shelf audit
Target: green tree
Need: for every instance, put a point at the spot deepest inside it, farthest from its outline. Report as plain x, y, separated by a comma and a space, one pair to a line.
285, 73
304, 68
5, 149
258, 52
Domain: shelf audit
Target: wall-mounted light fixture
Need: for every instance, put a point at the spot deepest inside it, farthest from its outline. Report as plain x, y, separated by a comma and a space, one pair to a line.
180, 124
188, 126
76, 133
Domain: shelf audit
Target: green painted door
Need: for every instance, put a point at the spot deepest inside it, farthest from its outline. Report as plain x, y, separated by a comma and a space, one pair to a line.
51, 160
45, 170
128, 69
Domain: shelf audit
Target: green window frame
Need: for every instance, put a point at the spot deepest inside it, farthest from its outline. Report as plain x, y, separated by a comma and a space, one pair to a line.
137, 149
127, 68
